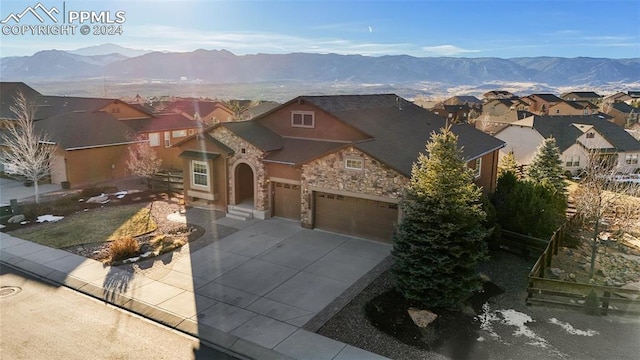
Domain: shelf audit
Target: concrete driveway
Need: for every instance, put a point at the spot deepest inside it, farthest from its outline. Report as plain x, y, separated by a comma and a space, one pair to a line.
13, 189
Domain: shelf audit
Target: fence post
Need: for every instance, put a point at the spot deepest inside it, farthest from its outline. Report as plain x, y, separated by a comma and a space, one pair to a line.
605, 302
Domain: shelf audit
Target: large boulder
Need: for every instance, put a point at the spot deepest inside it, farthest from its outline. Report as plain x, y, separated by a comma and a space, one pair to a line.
422, 318
16, 219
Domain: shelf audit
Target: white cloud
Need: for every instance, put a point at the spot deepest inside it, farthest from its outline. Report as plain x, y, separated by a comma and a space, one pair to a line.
447, 50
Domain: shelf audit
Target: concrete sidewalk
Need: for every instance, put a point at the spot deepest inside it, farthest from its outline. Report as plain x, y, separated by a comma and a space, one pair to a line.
251, 292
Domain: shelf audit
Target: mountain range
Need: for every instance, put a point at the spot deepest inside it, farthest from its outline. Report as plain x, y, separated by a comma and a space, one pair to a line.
220, 66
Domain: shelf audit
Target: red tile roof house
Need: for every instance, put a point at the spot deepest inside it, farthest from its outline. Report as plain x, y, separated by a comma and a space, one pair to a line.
332, 162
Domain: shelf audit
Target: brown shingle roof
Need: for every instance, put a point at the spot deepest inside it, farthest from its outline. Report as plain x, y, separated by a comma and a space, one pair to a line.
85, 129
163, 122
299, 151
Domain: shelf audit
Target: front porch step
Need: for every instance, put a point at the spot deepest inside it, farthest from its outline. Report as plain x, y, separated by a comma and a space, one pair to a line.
239, 213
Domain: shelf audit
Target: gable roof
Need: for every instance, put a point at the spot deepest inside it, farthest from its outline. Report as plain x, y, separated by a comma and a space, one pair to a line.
299, 151
163, 122
625, 108
563, 130
201, 107
8, 92
255, 133
49, 106
399, 128
550, 98
85, 130
581, 94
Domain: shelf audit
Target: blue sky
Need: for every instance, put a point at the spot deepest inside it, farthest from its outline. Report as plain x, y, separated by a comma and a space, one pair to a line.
479, 28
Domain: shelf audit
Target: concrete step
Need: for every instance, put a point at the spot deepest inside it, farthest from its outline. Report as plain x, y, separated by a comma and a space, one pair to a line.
239, 213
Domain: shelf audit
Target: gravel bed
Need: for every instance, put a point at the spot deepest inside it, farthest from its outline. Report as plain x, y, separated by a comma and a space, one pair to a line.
351, 326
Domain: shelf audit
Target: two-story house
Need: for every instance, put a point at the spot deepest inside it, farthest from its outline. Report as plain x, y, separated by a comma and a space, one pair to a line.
622, 114
540, 103
497, 95
589, 96
209, 112
339, 163
577, 138
573, 108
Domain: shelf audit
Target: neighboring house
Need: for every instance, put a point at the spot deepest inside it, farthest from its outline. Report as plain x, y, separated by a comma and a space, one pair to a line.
540, 103
589, 96
163, 131
339, 163
573, 108
209, 112
617, 97
8, 92
576, 137
470, 101
622, 114
259, 109
92, 147
497, 94
634, 93
456, 114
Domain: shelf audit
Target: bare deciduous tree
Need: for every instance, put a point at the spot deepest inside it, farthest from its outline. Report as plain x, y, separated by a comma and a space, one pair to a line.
143, 160
26, 150
599, 194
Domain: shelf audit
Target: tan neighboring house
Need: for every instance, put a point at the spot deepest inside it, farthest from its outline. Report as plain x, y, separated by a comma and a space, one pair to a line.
618, 97
209, 112
589, 96
622, 114
497, 95
573, 108
540, 103
576, 137
163, 131
339, 163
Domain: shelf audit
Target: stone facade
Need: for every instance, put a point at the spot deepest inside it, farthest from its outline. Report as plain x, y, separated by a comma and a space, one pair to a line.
251, 156
329, 173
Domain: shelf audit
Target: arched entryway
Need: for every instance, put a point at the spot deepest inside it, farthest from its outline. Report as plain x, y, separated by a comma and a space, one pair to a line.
244, 185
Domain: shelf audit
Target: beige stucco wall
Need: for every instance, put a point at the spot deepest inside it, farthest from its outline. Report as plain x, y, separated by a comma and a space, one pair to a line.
523, 141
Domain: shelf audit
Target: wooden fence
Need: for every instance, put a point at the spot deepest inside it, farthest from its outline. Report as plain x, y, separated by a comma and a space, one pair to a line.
567, 293
169, 181
522, 244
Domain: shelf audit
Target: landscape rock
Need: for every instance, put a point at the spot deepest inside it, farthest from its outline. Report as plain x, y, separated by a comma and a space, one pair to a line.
422, 318
630, 286
100, 199
556, 273
16, 219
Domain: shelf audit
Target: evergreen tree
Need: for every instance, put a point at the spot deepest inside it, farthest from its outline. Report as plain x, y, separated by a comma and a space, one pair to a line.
508, 163
546, 167
440, 239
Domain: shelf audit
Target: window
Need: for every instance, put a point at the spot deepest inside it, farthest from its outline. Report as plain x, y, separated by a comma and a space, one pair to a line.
631, 159
179, 133
191, 131
586, 111
572, 161
302, 119
557, 111
154, 139
167, 139
478, 168
200, 173
353, 164
590, 135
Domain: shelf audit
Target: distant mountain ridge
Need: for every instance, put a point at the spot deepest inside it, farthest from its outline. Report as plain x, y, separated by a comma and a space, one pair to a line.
221, 66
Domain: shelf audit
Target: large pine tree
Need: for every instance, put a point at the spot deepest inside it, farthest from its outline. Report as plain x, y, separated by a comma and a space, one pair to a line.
440, 239
546, 167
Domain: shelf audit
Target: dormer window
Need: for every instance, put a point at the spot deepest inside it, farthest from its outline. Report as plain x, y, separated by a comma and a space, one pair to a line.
304, 119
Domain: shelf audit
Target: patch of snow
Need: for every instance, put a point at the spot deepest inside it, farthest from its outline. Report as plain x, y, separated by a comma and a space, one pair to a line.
571, 330
131, 260
177, 217
24, 223
519, 320
480, 339
2, 226
81, 200
106, 201
147, 254
121, 194
49, 218
487, 318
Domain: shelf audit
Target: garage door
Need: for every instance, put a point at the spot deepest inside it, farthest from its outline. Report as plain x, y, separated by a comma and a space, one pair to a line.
286, 200
355, 216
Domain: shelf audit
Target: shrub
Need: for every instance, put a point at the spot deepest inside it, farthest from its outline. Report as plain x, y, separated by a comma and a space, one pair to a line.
123, 248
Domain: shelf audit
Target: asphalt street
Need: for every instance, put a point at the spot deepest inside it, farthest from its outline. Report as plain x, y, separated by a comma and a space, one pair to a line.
42, 321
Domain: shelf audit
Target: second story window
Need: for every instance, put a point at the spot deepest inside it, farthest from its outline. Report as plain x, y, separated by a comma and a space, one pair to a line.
303, 119
353, 164
590, 135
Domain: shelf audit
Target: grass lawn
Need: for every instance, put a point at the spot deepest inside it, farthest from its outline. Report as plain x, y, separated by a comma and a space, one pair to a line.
97, 225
